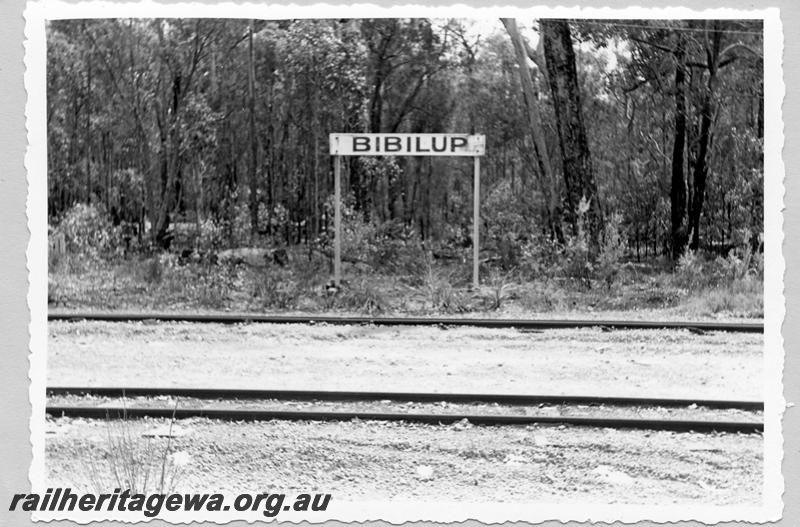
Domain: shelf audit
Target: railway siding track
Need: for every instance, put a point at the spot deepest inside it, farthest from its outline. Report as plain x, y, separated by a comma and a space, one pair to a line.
477, 409
322, 395
677, 425
244, 318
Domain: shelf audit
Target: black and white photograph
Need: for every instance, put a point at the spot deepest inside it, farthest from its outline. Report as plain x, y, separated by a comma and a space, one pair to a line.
404, 264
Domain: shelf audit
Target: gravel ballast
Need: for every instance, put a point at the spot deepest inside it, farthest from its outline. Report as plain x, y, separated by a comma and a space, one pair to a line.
377, 460
637, 363
356, 460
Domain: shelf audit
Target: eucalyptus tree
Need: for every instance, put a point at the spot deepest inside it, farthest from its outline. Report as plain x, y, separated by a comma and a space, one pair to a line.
576, 160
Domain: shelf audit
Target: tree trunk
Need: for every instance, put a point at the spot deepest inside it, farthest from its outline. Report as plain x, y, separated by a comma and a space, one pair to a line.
171, 165
576, 158
88, 149
677, 192
706, 116
381, 72
251, 76
534, 123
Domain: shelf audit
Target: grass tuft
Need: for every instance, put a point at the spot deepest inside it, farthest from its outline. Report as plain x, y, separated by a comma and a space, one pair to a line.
129, 461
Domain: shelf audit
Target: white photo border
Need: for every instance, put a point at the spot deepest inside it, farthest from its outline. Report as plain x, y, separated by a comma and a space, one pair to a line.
36, 13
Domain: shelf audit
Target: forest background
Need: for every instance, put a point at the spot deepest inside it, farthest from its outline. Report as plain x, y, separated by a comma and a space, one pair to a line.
188, 165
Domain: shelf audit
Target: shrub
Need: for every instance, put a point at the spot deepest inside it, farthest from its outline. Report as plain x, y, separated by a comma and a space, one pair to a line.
439, 292
543, 296
355, 231
153, 270
577, 254
389, 246
86, 230
54, 293
211, 237
508, 225
541, 258
276, 289
241, 223
214, 285
396, 248
312, 271
743, 260
612, 249
696, 271
576, 262
279, 219
690, 272
56, 248
500, 290
361, 296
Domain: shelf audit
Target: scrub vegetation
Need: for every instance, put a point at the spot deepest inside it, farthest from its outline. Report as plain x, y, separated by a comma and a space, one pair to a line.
189, 167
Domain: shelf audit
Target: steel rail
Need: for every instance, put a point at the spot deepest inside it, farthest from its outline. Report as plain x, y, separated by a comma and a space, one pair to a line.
490, 420
322, 395
243, 318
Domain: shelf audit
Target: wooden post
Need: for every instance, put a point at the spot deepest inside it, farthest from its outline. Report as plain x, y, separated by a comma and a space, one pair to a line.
476, 221
337, 222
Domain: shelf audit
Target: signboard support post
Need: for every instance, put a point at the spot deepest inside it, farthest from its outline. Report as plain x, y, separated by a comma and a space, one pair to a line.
476, 228
337, 221
351, 144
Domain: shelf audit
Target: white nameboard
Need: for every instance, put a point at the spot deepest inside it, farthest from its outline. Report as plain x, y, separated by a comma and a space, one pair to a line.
407, 145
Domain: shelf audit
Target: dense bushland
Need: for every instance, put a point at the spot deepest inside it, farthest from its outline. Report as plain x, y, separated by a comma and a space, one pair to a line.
188, 164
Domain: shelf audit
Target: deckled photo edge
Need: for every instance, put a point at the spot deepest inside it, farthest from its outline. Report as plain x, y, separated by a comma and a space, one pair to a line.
35, 161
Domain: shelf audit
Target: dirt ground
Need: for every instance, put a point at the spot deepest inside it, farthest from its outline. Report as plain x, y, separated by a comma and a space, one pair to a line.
382, 460
654, 363
378, 460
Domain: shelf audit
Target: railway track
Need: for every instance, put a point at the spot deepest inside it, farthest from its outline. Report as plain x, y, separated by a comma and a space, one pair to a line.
322, 395
531, 325
106, 410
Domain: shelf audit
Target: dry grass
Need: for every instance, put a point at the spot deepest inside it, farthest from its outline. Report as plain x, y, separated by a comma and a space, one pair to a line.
741, 298
130, 461
164, 284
